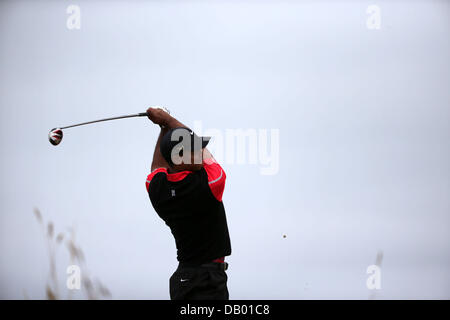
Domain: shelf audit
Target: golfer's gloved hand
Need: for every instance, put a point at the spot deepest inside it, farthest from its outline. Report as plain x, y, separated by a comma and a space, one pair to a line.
158, 115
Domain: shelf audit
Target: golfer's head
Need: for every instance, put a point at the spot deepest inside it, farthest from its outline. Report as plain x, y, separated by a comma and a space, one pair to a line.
183, 149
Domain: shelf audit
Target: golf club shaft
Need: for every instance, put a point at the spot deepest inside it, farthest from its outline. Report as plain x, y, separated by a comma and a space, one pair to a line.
142, 114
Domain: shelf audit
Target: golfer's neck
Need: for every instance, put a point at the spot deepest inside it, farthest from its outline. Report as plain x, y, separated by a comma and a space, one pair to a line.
172, 170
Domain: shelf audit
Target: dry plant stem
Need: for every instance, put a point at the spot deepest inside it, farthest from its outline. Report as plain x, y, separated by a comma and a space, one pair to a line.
92, 289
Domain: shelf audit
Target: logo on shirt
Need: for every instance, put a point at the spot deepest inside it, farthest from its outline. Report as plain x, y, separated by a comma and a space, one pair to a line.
173, 192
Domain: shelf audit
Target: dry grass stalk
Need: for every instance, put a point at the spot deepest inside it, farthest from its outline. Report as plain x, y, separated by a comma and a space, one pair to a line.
92, 289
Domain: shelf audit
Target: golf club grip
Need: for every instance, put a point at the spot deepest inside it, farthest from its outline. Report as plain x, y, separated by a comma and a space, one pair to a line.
141, 114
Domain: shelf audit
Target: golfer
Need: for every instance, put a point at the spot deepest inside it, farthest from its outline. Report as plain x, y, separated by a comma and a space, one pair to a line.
185, 188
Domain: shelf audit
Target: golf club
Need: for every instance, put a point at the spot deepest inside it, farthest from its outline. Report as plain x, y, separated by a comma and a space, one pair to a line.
56, 134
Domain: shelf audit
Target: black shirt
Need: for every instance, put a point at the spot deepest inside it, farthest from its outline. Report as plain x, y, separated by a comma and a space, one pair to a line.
190, 203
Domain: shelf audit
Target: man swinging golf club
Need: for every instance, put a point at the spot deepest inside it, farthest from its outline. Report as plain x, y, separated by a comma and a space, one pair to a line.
185, 188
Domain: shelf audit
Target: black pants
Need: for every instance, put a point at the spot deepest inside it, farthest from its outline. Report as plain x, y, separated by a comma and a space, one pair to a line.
205, 282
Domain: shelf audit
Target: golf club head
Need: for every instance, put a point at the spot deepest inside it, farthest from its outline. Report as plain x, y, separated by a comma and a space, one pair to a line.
55, 136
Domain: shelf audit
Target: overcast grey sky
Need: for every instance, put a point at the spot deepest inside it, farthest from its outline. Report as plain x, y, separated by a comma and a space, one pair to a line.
363, 119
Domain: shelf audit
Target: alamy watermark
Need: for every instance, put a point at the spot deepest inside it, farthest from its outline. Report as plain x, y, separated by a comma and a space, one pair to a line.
231, 146
373, 21
73, 21
73, 281
259, 147
373, 282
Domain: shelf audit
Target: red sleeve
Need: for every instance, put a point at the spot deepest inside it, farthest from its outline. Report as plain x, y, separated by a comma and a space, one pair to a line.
216, 177
152, 174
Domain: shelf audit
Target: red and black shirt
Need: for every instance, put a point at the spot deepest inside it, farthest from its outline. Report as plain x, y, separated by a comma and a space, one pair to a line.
190, 203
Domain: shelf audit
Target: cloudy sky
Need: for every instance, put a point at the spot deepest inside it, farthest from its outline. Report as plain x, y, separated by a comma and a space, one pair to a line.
363, 122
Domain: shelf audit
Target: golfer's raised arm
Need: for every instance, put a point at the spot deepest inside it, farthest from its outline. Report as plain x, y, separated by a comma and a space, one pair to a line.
166, 122
172, 123
158, 160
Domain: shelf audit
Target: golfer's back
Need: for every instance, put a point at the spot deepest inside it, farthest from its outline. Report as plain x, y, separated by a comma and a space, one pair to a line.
190, 203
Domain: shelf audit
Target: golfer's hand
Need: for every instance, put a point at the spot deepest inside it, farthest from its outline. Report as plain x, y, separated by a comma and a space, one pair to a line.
158, 116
